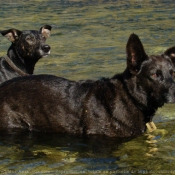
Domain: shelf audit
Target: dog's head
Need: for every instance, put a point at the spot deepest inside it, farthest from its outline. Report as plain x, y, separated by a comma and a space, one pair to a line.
29, 44
153, 75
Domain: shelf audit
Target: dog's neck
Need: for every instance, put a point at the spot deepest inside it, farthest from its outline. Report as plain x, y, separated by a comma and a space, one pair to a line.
16, 59
30, 65
139, 96
14, 67
21, 63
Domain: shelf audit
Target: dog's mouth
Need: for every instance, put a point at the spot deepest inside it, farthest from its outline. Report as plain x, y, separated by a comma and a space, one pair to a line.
46, 54
170, 95
170, 99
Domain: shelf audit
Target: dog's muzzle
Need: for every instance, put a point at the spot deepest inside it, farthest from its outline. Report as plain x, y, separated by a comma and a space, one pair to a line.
170, 96
45, 50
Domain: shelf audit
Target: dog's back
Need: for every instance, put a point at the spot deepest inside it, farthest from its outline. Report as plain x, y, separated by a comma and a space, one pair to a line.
53, 104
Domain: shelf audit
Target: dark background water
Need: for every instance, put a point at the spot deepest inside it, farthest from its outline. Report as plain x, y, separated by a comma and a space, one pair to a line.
88, 41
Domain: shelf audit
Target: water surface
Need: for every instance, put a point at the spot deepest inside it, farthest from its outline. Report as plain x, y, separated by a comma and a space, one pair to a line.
88, 41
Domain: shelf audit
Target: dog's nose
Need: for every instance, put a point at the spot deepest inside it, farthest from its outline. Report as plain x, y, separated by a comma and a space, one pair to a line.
46, 48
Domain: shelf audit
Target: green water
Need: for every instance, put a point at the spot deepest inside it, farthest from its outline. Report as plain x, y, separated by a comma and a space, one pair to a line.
88, 41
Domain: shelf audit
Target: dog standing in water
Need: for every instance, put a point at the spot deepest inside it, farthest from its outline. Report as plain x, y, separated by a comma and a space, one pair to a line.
120, 106
27, 48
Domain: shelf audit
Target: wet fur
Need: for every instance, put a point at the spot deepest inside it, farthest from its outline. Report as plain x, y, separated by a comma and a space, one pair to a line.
116, 107
26, 49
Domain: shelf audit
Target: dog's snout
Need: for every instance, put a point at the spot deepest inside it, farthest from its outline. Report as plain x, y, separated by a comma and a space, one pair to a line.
171, 94
46, 48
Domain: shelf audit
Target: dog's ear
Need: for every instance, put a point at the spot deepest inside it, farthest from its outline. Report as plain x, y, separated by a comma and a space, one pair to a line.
135, 54
171, 54
11, 34
45, 30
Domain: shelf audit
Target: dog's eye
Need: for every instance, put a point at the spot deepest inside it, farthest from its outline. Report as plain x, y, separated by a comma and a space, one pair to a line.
158, 75
172, 72
43, 37
28, 38
154, 76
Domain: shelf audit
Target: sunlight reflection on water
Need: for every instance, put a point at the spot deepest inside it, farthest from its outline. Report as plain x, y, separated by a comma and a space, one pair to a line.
88, 41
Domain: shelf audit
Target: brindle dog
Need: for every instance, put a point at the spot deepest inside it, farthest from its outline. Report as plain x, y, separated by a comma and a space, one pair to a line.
116, 107
26, 49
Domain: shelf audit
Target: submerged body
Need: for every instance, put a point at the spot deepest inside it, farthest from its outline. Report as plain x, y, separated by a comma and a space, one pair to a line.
116, 107
54, 104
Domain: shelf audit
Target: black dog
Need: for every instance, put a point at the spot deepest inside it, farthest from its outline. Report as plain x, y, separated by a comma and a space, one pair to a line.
116, 107
26, 49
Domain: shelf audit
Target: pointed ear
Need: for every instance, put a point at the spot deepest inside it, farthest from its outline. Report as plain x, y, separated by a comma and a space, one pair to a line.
135, 54
11, 34
171, 54
45, 30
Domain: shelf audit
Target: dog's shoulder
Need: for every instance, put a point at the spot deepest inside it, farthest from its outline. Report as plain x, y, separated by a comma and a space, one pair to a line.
103, 88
